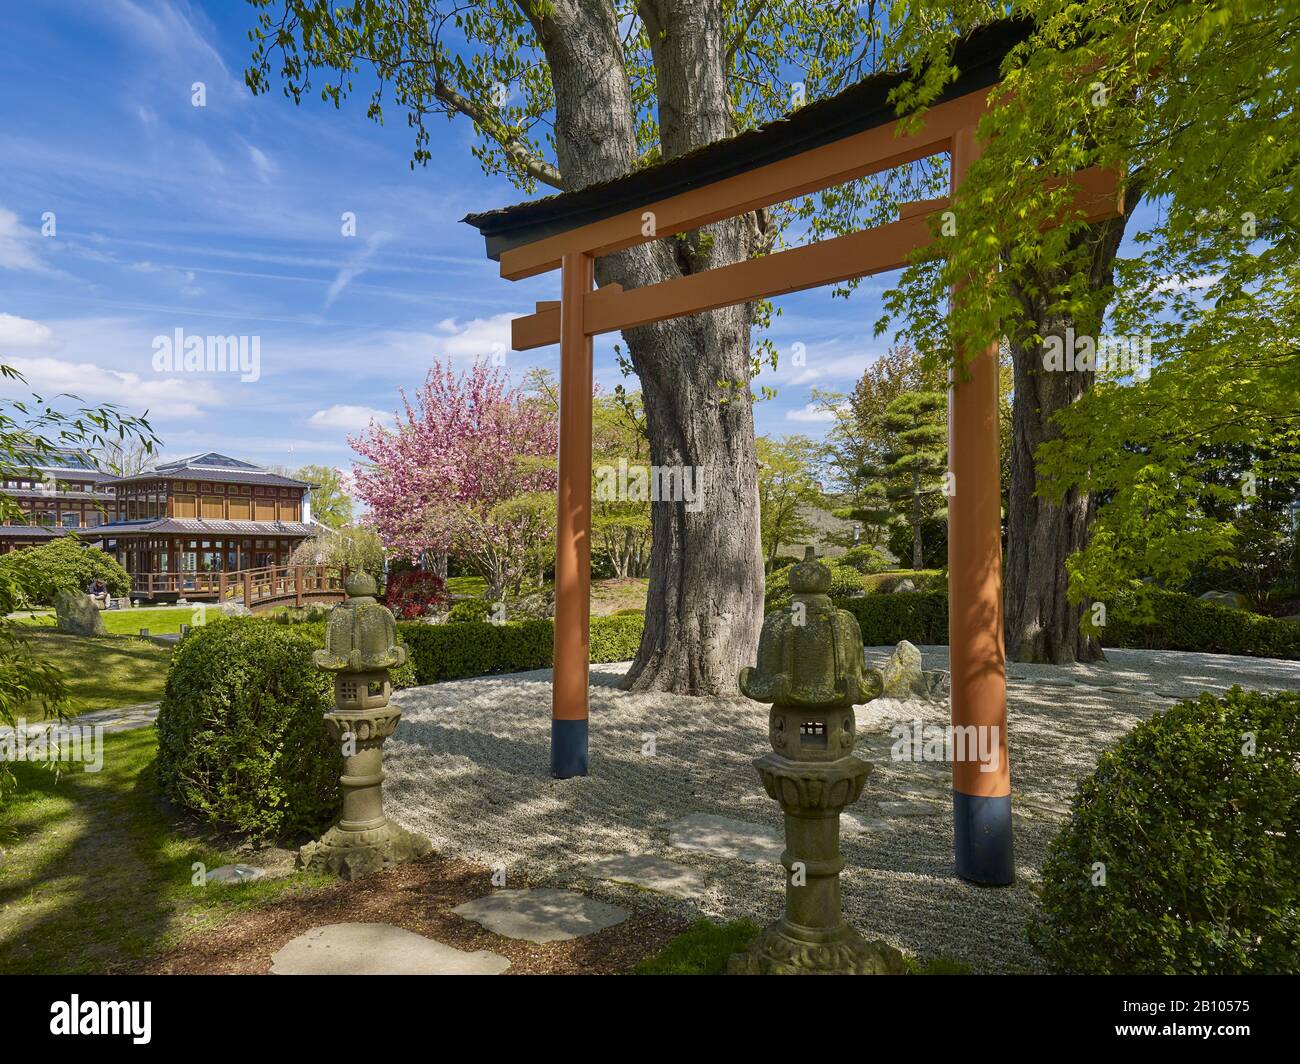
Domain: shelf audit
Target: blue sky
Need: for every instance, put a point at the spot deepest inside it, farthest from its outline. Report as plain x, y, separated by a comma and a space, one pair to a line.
226, 220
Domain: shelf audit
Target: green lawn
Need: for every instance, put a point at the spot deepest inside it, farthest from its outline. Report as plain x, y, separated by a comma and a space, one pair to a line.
95, 875
466, 585
103, 673
159, 620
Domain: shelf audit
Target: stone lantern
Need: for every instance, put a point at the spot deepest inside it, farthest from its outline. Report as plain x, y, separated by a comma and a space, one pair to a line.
360, 647
810, 668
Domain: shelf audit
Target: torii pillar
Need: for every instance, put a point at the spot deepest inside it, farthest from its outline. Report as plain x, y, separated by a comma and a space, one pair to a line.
981, 792
573, 526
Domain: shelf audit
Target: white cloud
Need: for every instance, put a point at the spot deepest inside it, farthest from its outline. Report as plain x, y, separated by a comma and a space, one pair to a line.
265, 166
17, 245
810, 412
23, 332
474, 339
347, 418
1179, 284
355, 268
177, 396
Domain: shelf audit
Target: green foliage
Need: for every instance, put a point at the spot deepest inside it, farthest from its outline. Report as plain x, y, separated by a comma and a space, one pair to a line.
913, 462
934, 539
1193, 104
845, 581
455, 651
703, 949
864, 559
356, 548
31, 431
331, 505
240, 737
786, 485
920, 618
776, 596
1193, 816
30, 686
1156, 619
62, 564
469, 610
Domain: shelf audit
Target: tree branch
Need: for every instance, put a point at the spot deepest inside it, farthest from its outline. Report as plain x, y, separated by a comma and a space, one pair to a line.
537, 168
739, 39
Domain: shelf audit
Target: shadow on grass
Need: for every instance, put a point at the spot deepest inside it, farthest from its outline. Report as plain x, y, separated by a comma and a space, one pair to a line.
97, 875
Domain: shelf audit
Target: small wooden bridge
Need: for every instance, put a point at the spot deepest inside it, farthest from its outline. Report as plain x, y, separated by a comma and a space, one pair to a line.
258, 589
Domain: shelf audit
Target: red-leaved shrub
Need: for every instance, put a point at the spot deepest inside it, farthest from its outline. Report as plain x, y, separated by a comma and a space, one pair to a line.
412, 593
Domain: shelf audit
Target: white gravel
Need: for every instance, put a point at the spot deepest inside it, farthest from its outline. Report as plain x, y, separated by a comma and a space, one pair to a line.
469, 767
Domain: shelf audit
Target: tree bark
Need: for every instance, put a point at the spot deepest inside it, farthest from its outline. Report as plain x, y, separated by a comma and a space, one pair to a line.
918, 557
706, 570
1041, 623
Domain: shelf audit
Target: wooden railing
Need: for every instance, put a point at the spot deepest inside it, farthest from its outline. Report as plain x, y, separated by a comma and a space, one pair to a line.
276, 585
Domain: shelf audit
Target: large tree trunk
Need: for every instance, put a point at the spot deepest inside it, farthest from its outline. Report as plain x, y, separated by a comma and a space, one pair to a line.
706, 570
1041, 623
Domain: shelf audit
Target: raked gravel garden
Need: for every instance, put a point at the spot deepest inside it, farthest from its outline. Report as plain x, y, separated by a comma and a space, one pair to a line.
671, 784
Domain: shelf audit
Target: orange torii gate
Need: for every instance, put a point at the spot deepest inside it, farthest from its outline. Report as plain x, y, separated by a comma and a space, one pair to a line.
845, 137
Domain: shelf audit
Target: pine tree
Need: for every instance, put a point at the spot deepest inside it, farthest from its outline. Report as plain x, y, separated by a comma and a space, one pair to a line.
913, 467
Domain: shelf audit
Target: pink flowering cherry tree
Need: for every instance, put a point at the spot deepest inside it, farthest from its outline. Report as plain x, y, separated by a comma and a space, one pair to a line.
468, 469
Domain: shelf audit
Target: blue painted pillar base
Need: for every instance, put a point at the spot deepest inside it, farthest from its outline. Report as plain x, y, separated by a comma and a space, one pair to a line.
982, 839
568, 748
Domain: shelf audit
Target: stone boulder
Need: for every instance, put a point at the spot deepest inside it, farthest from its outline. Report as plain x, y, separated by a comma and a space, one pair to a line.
1233, 599
538, 605
234, 609
903, 586
903, 676
77, 614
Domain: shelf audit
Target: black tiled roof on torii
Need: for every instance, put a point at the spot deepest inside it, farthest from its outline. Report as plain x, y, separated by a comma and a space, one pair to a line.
864, 105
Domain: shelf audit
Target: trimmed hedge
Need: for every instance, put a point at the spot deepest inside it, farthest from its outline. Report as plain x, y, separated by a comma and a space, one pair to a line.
1179, 622
922, 580
1191, 820
456, 651
920, 617
1183, 622
240, 738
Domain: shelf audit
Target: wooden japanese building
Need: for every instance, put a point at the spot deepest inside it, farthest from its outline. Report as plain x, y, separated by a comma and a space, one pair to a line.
60, 491
176, 527
181, 523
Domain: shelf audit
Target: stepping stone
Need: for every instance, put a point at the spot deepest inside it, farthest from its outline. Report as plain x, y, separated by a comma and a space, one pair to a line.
852, 825
378, 949
234, 873
724, 837
651, 873
542, 914
908, 808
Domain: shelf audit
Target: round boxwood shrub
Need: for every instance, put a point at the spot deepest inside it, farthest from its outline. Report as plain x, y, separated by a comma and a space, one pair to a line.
63, 564
240, 737
864, 559
1192, 818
